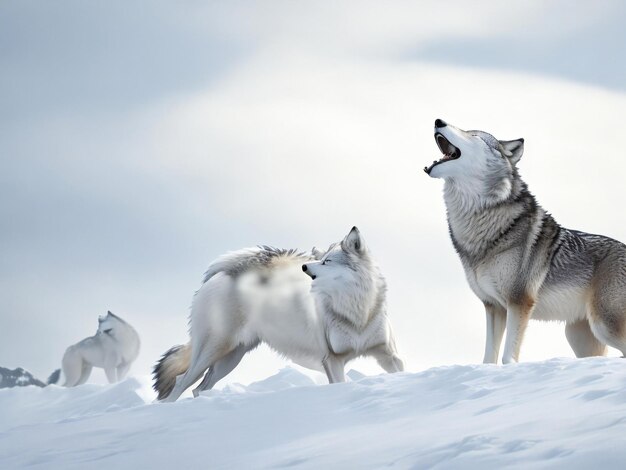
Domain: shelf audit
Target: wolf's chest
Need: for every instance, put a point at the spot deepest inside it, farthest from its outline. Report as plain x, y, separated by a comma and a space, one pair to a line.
343, 338
484, 286
492, 279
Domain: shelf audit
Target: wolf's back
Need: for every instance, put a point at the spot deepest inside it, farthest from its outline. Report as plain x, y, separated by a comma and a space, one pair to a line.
237, 262
173, 363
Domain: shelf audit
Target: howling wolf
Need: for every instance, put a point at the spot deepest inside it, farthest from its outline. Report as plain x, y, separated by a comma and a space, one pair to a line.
518, 260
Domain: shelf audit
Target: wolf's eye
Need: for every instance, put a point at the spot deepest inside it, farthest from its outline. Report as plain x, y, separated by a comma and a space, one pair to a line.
326, 261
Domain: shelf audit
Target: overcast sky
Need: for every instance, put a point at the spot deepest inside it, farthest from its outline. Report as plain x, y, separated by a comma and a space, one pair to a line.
140, 140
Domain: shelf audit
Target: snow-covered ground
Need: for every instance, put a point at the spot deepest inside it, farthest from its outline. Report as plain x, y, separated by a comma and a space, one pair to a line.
561, 413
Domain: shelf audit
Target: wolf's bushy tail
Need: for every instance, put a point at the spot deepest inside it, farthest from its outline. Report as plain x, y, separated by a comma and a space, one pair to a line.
173, 363
54, 377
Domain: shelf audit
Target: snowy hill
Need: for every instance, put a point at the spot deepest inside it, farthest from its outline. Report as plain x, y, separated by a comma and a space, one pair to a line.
560, 413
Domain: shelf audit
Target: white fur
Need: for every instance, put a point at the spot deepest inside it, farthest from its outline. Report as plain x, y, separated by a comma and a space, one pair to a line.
567, 304
320, 324
114, 347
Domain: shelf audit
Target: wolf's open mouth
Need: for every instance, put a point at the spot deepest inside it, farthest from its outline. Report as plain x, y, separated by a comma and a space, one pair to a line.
450, 152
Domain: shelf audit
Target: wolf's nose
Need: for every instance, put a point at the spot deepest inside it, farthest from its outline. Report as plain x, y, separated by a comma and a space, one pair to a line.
440, 123
304, 267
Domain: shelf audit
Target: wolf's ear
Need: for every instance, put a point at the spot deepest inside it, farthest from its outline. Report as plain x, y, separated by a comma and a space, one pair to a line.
317, 254
353, 241
513, 149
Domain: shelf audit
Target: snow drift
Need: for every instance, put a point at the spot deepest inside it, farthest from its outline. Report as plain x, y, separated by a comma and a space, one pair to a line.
558, 413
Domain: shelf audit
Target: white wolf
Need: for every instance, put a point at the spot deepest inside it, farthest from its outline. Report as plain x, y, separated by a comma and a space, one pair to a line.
320, 321
114, 347
518, 260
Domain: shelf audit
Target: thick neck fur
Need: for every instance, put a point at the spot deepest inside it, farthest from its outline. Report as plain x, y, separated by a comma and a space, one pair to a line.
358, 303
480, 211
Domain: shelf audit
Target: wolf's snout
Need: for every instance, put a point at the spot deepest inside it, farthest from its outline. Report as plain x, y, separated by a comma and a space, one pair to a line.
440, 123
306, 270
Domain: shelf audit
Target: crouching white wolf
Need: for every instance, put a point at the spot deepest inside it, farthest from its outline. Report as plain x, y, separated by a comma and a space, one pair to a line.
255, 295
114, 347
517, 259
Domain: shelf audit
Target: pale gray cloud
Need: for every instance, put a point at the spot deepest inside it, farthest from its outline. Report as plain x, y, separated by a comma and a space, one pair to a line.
580, 44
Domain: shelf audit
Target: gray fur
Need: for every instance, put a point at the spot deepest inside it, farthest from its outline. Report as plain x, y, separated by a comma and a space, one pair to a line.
164, 383
519, 261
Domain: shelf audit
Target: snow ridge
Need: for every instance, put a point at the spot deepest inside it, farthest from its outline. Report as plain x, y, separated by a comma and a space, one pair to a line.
557, 413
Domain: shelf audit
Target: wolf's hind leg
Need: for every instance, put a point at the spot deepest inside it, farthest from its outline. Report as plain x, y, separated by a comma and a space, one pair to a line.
222, 367
611, 331
72, 367
202, 358
496, 321
607, 305
85, 373
184, 381
583, 341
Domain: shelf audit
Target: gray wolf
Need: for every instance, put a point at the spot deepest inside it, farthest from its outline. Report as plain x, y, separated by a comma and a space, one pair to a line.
321, 318
517, 259
114, 347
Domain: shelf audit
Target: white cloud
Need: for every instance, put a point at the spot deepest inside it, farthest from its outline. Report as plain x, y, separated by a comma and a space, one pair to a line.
314, 130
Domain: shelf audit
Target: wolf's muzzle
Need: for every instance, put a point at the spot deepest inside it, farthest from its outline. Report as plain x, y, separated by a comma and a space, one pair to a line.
306, 270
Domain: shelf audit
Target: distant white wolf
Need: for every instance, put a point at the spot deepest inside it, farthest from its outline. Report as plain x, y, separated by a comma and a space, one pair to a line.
114, 347
261, 295
517, 259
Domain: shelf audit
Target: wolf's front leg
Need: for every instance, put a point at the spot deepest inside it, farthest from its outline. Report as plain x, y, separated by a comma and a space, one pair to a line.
334, 368
122, 370
387, 358
517, 317
111, 374
110, 367
496, 321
